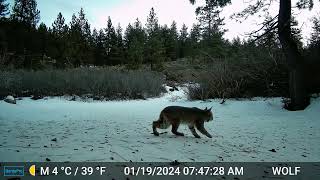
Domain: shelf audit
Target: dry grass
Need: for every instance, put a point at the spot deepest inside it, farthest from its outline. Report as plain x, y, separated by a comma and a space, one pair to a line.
100, 82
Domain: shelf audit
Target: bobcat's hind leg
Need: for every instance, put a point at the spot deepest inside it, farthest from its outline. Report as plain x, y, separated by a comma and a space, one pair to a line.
200, 127
193, 130
174, 130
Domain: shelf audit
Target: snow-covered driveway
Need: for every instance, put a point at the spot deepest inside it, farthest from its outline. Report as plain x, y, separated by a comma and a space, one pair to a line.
121, 131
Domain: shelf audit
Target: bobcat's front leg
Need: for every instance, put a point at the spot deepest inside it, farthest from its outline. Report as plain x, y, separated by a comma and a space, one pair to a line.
155, 124
200, 127
174, 130
193, 130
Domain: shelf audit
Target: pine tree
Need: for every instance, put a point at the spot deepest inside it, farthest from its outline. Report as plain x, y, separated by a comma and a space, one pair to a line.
152, 25
79, 40
209, 19
100, 46
26, 11
134, 40
183, 41
315, 34
74, 43
313, 50
172, 47
211, 26
59, 41
4, 8
119, 49
43, 38
59, 27
110, 43
194, 39
99, 52
154, 49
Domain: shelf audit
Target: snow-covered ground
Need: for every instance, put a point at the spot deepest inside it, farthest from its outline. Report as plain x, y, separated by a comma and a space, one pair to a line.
243, 130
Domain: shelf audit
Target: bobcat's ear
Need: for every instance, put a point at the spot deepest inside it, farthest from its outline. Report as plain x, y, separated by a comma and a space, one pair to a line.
206, 109
210, 109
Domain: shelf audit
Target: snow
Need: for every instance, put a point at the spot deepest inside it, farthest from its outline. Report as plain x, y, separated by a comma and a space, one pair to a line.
113, 131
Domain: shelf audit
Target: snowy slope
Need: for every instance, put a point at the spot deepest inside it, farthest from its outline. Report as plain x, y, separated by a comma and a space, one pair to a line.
121, 131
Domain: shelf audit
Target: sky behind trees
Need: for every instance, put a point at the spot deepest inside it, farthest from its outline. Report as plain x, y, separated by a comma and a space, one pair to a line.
126, 11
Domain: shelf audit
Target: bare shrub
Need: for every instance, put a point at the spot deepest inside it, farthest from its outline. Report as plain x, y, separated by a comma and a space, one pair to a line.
240, 79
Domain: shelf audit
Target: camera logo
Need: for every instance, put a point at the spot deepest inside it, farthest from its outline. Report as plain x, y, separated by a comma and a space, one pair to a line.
13, 171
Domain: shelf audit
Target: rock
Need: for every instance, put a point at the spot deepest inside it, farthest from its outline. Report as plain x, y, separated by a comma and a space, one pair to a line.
36, 97
273, 150
97, 98
73, 98
223, 101
10, 99
54, 139
174, 163
173, 88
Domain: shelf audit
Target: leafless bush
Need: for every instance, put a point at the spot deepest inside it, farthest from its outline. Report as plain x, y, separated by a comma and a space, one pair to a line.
238, 79
104, 82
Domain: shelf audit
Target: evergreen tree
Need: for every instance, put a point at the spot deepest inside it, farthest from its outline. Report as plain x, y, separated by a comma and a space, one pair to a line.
58, 43
296, 32
26, 11
152, 25
313, 51
99, 52
74, 42
43, 38
119, 49
172, 46
110, 43
79, 37
209, 19
154, 49
134, 40
4, 8
270, 37
59, 27
194, 39
166, 36
211, 26
183, 41
170, 40
315, 34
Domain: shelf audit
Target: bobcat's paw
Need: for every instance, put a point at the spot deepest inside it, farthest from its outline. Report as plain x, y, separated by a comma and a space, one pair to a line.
178, 134
156, 133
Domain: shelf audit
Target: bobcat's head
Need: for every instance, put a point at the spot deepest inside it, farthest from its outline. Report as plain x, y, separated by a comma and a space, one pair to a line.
208, 114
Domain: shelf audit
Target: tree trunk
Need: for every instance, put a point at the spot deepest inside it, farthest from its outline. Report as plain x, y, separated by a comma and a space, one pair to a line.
299, 99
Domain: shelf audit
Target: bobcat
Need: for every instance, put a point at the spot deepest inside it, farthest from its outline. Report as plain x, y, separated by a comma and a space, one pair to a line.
176, 115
